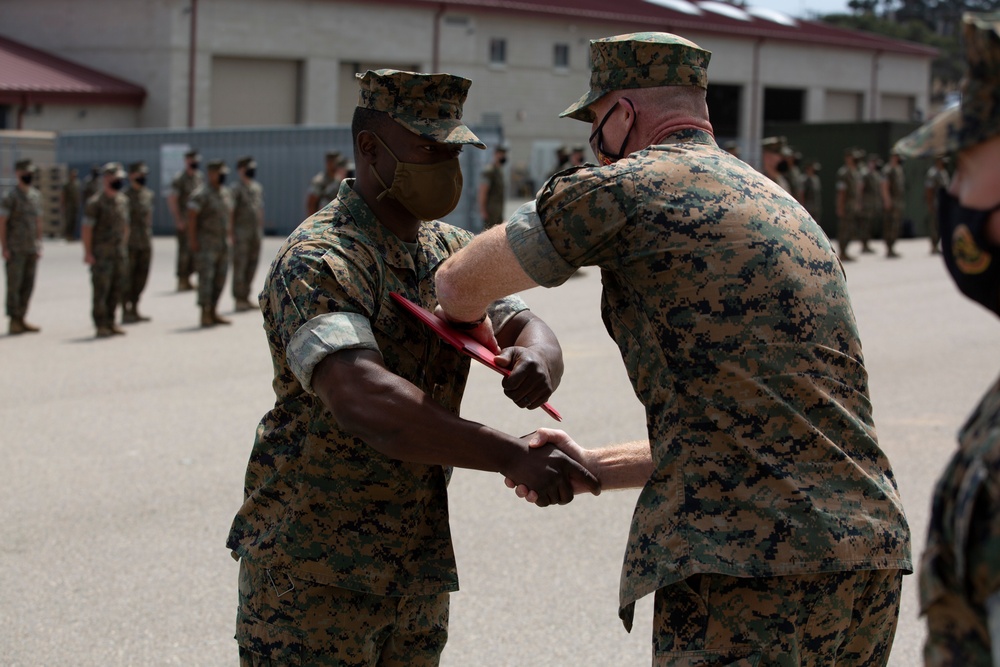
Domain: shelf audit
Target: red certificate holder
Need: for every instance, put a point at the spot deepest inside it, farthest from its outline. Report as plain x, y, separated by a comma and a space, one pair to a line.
460, 340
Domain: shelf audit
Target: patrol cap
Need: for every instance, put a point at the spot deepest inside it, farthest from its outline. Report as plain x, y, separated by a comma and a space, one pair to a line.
977, 117
640, 60
113, 169
774, 145
218, 165
246, 162
332, 155
138, 168
192, 153
429, 105
24, 165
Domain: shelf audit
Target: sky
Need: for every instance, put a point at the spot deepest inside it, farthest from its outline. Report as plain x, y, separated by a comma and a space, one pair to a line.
802, 8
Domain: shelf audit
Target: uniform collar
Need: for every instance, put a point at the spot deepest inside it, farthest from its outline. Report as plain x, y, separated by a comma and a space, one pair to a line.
384, 241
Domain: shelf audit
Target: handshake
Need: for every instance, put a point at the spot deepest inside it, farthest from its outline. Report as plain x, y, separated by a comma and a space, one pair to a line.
553, 469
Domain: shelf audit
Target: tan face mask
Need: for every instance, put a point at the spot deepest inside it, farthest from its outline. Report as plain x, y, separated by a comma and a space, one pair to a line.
428, 191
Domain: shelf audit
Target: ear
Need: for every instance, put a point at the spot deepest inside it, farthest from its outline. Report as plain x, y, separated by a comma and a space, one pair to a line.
367, 146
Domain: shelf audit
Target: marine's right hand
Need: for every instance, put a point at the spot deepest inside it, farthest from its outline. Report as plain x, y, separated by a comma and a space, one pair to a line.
552, 475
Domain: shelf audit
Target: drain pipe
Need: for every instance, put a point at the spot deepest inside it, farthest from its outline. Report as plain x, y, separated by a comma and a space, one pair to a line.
192, 53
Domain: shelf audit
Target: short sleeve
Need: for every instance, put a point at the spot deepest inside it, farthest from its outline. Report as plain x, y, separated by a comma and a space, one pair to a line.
328, 299
7, 205
574, 222
90, 213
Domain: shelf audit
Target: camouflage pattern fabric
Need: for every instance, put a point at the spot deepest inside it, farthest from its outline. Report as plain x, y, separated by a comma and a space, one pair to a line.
960, 567
214, 208
22, 210
492, 176
640, 60
796, 181
140, 207
109, 217
183, 185
935, 180
732, 315
872, 207
896, 182
137, 273
429, 105
248, 203
283, 620
812, 192
977, 118
20, 268
848, 182
846, 619
324, 187
71, 207
321, 504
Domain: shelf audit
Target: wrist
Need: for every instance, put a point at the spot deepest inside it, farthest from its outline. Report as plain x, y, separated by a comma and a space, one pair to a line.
466, 325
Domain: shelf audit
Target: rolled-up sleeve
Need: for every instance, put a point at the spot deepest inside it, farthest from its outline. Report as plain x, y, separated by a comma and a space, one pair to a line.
534, 250
324, 335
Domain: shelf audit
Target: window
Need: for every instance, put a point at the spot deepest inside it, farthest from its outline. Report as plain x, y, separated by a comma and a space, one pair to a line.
498, 51
560, 56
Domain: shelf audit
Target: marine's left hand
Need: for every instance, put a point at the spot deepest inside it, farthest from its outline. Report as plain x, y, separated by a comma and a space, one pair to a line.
530, 381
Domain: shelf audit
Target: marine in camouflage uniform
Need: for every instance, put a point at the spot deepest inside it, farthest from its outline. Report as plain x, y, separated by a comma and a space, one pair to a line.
105, 248
248, 228
872, 206
140, 241
769, 525
183, 186
325, 185
960, 567
935, 180
773, 151
491, 190
210, 226
21, 242
848, 202
343, 539
69, 198
812, 191
894, 202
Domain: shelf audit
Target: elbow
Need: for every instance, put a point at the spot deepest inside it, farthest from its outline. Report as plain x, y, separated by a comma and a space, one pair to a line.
444, 283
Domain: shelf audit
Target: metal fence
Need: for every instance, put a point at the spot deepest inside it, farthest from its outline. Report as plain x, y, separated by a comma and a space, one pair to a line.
287, 159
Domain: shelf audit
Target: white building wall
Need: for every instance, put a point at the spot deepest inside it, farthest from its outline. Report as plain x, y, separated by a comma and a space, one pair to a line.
57, 117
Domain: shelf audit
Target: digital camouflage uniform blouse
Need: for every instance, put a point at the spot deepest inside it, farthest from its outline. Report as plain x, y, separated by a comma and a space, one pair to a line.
732, 317
22, 210
320, 502
960, 567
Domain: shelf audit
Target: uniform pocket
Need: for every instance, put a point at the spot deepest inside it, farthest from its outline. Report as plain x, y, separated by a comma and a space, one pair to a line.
284, 646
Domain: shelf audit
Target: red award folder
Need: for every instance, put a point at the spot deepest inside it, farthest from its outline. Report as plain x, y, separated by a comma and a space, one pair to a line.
460, 340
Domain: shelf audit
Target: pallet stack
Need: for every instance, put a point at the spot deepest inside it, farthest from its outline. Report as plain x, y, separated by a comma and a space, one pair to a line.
50, 181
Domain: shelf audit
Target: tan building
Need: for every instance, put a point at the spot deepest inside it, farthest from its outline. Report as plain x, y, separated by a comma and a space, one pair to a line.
225, 63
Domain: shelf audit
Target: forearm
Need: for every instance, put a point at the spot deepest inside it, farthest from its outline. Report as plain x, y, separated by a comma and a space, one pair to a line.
3, 233
399, 420
529, 331
87, 237
479, 274
624, 466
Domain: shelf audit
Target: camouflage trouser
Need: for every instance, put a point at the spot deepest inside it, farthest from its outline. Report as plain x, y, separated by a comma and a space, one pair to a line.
957, 632
933, 229
20, 282
846, 230
107, 274
185, 258
70, 214
139, 260
246, 252
868, 222
843, 618
893, 223
289, 621
213, 265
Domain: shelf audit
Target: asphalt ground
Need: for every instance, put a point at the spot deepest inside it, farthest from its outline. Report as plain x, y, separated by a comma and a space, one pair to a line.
123, 464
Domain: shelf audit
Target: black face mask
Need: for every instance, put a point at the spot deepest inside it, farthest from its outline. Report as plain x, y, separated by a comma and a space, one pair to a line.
140, 180
194, 165
782, 167
972, 260
117, 184
250, 173
27, 178
602, 154
222, 179
503, 160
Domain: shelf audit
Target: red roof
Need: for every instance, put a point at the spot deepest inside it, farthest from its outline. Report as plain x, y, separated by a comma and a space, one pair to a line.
648, 15
30, 76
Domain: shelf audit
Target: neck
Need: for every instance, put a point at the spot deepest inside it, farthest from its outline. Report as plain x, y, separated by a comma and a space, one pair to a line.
671, 123
390, 213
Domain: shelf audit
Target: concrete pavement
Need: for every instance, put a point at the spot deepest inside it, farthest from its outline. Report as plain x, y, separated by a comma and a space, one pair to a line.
124, 461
